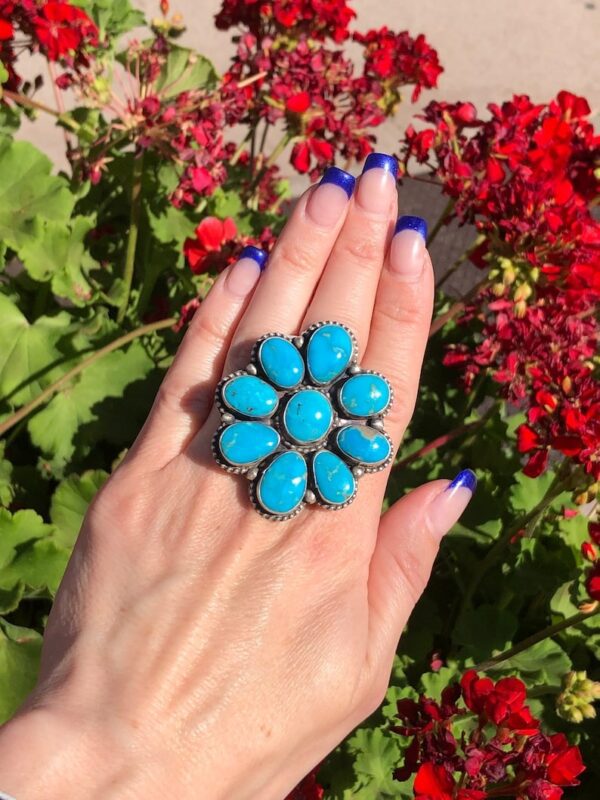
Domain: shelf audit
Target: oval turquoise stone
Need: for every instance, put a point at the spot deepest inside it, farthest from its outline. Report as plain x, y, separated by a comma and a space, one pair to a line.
334, 481
282, 485
328, 354
308, 416
281, 362
244, 444
363, 444
365, 395
250, 396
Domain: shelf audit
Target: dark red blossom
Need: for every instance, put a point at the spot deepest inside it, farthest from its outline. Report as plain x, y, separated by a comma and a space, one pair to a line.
62, 29
307, 789
503, 754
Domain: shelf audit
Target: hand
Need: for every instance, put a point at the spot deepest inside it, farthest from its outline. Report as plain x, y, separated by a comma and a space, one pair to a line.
196, 649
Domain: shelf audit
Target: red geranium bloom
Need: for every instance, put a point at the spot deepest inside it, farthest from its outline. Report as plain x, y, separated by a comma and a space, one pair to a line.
6, 29
564, 762
592, 583
433, 783
62, 28
298, 103
205, 251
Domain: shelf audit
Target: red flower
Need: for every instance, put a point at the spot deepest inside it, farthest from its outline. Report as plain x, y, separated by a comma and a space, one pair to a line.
433, 783
592, 583
588, 551
298, 103
62, 28
307, 789
594, 532
564, 762
207, 250
475, 690
6, 30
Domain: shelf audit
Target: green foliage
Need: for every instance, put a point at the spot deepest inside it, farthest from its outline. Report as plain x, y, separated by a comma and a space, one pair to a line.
20, 650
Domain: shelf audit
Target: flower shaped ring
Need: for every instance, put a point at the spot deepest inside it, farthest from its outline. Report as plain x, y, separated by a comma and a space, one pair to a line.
303, 422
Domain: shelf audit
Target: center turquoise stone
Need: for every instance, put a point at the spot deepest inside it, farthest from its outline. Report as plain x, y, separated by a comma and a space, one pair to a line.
308, 416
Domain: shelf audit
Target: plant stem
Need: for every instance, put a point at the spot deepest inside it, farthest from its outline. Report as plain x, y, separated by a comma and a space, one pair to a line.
458, 263
132, 236
455, 309
27, 102
442, 219
445, 438
546, 633
49, 391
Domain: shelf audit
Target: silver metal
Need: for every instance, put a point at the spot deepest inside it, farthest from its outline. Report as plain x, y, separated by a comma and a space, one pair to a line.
254, 471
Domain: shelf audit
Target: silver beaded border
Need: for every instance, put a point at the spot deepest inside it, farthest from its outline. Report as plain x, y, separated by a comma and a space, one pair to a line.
331, 390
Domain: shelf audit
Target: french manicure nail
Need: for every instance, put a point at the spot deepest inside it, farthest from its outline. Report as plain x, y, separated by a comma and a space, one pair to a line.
244, 274
377, 183
446, 507
407, 251
329, 199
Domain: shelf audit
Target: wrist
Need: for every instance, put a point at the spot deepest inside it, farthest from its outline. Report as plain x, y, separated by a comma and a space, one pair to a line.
45, 755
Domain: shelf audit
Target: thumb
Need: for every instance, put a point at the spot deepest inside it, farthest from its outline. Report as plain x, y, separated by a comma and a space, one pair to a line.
407, 544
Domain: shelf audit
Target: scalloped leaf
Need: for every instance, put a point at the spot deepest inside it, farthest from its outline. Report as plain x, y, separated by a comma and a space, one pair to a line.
70, 502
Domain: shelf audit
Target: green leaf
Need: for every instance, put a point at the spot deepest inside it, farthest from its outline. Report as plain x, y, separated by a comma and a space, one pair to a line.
7, 491
59, 254
434, 683
29, 357
70, 501
226, 203
526, 492
183, 71
485, 630
17, 529
113, 17
29, 194
170, 224
3, 74
40, 565
20, 650
545, 662
376, 757
10, 598
54, 428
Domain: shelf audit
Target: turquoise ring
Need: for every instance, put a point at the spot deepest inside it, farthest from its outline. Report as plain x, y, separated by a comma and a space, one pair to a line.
303, 422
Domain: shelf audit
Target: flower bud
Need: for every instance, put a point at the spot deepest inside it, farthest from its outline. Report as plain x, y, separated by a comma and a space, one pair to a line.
588, 551
581, 499
575, 702
523, 292
567, 385
520, 309
498, 289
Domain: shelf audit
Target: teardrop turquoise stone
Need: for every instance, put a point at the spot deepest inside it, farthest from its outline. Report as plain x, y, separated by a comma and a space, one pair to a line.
334, 481
328, 354
363, 444
282, 485
250, 396
281, 362
244, 444
365, 395
308, 416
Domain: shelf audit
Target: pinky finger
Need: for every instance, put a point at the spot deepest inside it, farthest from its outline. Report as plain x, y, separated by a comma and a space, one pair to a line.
186, 394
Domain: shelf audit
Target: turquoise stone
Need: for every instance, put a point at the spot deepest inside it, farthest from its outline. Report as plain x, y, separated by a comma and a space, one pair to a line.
365, 395
282, 485
334, 481
250, 396
244, 444
308, 416
328, 354
363, 444
281, 362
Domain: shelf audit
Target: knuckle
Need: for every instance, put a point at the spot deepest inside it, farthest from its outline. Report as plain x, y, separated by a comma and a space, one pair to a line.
393, 310
210, 330
301, 259
363, 250
413, 572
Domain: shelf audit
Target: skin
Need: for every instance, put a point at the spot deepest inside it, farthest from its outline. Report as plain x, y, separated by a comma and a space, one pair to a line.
196, 649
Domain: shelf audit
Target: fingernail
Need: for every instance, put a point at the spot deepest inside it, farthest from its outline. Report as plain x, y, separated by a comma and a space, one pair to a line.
377, 183
407, 251
446, 507
244, 274
329, 199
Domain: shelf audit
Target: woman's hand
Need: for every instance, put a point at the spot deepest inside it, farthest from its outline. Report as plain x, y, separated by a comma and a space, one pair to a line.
196, 649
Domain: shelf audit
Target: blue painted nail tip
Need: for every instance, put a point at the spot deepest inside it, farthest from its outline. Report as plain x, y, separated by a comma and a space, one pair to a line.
408, 223
339, 178
381, 161
465, 479
258, 255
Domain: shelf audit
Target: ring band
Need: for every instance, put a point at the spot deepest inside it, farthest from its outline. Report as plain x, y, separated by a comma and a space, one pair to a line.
303, 422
